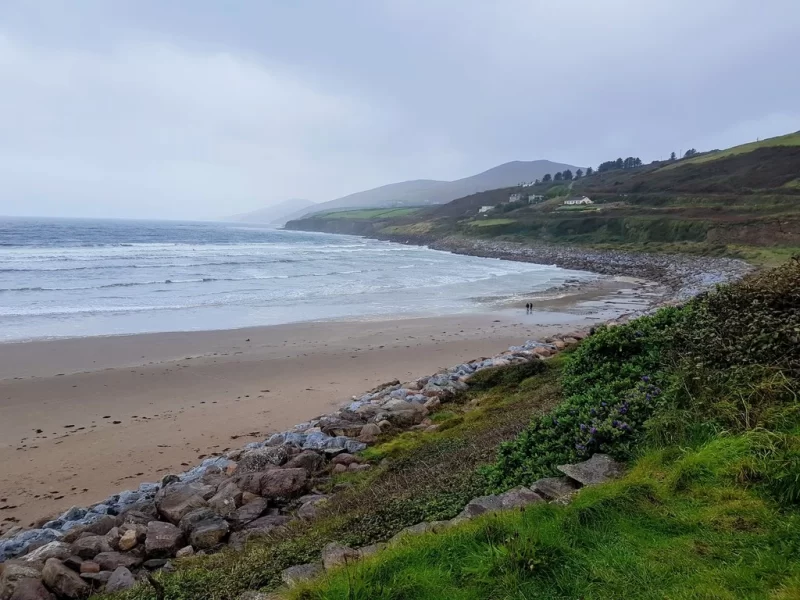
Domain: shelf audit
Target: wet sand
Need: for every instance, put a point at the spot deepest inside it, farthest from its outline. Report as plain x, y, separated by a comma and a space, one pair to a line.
84, 418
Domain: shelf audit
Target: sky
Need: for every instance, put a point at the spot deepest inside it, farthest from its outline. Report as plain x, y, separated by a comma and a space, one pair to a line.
201, 108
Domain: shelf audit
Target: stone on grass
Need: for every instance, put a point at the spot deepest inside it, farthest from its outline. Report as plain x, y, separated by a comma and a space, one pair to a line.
336, 554
185, 552
65, 582
554, 488
121, 579
518, 498
371, 549
598, 469
163, 540
300, 573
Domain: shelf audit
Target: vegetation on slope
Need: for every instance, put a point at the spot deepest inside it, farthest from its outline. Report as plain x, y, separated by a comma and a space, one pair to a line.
734, 202
703, 400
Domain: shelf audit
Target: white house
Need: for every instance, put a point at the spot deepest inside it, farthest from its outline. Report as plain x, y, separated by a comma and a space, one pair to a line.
579, 200
535, 198
515, 197
484, 209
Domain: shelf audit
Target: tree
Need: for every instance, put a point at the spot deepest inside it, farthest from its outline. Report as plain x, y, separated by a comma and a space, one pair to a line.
567, 175
689, 153
589, 171
538, 181
547, 178
619, 163
579, 173
558, 177
672, 156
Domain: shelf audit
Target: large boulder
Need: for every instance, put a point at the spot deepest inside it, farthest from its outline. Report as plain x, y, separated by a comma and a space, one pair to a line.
209, 534
311, 461
298, 574
249, 512
12, 573
121, 579
58, 550
598, 469
109, 561
163, 540
65, 582
336, 554
31, 589
277, 483
90, 546
178, 499
337, 427
554, 488
227, 499
261, 459
128, 540
190, 520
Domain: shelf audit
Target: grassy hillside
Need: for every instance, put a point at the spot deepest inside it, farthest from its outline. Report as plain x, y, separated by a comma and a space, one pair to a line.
744, 202
701, 400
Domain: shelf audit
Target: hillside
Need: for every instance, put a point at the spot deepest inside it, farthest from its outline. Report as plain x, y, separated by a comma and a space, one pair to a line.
744, 201
429, 191
276, 214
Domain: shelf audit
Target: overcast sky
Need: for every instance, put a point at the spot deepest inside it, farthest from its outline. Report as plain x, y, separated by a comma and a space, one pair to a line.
201, 108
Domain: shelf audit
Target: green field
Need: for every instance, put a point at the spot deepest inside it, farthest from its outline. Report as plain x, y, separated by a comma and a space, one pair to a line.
791, 139
368, 213
491, 222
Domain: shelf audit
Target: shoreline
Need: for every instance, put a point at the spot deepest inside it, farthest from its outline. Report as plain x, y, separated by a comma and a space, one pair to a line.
71, 436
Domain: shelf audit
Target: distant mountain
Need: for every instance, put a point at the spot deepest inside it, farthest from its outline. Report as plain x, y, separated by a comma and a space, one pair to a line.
276, 214
430, 191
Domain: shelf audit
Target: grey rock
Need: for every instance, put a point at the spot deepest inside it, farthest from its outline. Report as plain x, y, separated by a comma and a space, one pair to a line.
185, 552
336, 554
419, 528
163, 540
178, 499
481, 505
262, 458
121, 579
31, 589
519, 497
190, 520
227, 499
598, 469
14, 572
310, 507
300, 573
154, 563
90, 546
14, 547
278, 483
249, 512
58, 550
269, 522
209, 534
554, 488
100, 578
372, 549
109, 561
309, 460
63, 581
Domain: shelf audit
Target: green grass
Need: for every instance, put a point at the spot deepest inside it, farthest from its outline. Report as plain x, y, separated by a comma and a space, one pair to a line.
491, 222
681, 524
369, 213
790, 139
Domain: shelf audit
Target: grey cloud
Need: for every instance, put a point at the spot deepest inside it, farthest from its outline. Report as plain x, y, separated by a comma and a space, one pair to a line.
198, 109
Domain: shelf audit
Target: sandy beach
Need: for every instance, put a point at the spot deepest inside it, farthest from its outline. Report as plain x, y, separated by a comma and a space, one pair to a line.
84, 418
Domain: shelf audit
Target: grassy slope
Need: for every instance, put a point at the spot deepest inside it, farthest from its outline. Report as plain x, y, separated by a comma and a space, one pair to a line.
790, 139
711, 505
742, 202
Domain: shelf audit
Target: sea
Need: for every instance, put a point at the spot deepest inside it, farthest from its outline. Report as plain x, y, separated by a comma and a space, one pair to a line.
76, 278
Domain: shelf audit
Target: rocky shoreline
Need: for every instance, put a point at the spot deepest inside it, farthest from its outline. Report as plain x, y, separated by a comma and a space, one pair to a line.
253, 491
684, 276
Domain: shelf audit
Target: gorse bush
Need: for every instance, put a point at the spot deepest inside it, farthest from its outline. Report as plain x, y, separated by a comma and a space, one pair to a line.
727, 360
